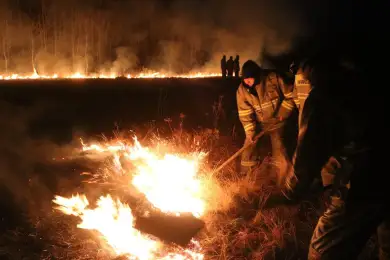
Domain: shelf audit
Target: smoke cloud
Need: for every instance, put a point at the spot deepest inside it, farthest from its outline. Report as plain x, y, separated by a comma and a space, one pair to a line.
68, 36
23, 183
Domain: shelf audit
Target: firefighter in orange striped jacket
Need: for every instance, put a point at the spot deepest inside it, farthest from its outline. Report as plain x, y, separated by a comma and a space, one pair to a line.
262, 99
302, 85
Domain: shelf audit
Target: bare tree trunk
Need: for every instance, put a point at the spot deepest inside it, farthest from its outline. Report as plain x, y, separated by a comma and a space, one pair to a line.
55, 42
86, 53
32, 48
73, 40
100, 37
5, 46
42, 27
78, 35
55, 35
5, 55
98, 45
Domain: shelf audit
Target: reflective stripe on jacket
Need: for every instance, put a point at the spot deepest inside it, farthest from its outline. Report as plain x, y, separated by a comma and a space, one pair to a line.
302, 88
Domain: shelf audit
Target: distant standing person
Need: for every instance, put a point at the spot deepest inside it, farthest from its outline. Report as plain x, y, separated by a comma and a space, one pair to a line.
223, 66
236, 66
230, 67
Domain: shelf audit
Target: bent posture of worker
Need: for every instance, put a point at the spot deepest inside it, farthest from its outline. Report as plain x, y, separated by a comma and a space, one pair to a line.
341, 141
263, 99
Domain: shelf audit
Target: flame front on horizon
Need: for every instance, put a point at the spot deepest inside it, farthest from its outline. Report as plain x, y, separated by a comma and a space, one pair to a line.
169, 182
78, 75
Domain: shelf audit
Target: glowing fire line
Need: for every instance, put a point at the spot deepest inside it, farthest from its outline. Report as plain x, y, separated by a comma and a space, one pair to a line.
145, 75
169, 182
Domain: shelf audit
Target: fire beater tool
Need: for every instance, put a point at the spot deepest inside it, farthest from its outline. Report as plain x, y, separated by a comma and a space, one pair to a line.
255, 139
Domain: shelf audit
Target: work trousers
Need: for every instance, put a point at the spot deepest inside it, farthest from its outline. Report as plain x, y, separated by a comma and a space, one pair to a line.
250, 157
345, 227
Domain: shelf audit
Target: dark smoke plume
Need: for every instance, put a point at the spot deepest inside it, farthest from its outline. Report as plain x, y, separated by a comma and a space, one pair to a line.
67, 36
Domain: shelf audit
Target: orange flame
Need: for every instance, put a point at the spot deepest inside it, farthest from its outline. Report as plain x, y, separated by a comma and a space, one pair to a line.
79, 75
169, 182
113, 220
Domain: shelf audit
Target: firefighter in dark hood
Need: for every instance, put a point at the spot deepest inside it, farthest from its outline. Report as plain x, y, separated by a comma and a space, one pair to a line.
340, 139
263, 99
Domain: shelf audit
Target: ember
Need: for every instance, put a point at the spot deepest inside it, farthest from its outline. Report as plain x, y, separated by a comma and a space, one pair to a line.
171, 183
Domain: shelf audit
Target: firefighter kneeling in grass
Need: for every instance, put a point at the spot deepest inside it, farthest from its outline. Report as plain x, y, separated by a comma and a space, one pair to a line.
264, 101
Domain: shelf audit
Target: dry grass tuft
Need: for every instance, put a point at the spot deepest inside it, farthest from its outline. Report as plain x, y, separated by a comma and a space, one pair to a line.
245, 230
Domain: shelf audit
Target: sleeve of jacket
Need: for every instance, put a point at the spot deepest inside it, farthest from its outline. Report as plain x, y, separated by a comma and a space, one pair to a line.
246, 114
288, 102
313, 148
295, 97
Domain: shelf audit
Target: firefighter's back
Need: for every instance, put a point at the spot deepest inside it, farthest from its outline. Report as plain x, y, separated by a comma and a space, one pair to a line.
357, 119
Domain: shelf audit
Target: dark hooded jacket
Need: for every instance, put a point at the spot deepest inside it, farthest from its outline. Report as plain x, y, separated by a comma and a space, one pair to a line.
270, 99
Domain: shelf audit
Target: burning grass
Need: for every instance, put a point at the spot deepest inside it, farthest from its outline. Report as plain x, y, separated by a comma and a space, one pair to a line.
235, 225
142, 75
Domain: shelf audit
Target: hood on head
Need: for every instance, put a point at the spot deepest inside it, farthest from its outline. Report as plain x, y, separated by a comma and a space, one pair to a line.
251, 69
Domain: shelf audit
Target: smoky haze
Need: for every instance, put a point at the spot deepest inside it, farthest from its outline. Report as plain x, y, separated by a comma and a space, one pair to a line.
28, 174
19, 156
68, 36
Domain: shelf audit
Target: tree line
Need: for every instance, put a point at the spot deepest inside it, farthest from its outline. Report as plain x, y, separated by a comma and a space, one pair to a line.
63, 37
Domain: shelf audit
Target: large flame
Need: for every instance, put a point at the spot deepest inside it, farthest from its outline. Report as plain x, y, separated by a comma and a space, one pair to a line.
169, 182
113, 220
78, 75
